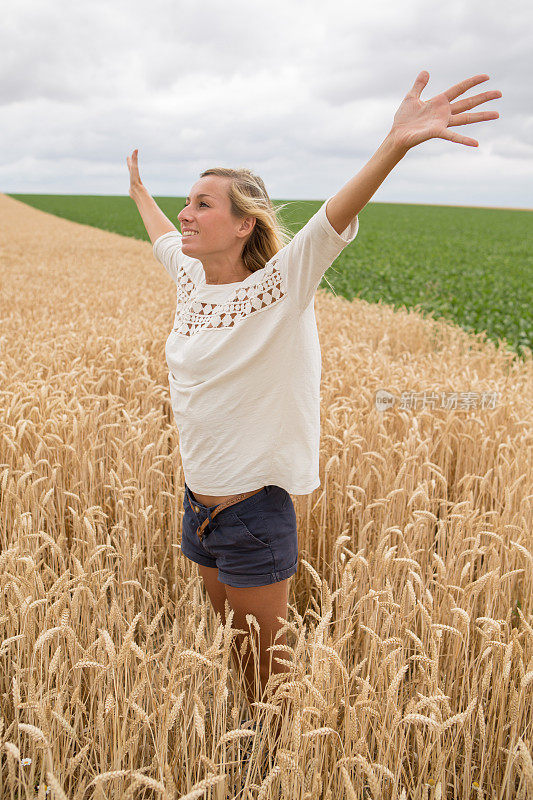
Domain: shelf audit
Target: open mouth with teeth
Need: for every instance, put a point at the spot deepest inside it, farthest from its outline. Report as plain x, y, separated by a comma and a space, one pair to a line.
190, 233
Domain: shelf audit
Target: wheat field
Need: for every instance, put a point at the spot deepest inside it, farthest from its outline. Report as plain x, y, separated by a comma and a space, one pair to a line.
410, 624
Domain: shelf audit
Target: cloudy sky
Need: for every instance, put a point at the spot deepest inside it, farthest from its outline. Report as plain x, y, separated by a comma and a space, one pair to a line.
301, 91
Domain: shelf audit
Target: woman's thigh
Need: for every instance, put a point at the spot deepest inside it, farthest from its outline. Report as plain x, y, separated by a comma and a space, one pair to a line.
266, 603
215, 589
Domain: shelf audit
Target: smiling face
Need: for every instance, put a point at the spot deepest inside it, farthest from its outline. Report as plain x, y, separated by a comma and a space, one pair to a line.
208, 211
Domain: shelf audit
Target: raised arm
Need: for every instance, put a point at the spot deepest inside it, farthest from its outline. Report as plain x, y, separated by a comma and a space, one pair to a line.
155, 222
415, 122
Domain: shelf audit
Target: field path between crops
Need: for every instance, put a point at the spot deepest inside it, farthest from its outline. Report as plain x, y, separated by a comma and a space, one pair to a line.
62, 279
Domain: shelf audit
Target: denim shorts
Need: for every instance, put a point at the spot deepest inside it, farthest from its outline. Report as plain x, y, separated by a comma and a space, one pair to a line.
252, 543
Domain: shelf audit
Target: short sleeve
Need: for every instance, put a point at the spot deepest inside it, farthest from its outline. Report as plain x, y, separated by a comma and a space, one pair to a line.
167, 250
314, 248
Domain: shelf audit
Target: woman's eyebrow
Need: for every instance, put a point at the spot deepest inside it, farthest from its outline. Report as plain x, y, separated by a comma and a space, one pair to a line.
200, 195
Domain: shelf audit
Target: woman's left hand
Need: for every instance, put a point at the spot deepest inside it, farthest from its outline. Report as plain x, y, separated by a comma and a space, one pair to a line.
417, 121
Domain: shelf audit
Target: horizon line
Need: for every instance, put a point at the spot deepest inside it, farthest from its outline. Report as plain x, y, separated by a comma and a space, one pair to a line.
294, 200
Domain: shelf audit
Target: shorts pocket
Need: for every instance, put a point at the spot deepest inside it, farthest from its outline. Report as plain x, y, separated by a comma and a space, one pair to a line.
261, 537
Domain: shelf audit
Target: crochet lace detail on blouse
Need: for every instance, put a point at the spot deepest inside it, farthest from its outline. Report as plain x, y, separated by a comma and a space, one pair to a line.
193, 315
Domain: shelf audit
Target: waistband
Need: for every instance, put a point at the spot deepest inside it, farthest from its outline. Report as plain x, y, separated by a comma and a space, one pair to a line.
248, 502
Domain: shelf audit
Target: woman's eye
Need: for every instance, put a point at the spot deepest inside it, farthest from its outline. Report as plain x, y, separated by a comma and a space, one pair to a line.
201, 203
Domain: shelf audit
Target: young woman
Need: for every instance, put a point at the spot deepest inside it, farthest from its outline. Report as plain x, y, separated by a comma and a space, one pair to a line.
244, 360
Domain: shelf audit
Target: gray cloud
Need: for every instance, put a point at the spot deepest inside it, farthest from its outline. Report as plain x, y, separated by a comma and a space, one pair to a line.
300, 92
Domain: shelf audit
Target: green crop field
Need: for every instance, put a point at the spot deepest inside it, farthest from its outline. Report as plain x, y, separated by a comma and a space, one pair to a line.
472, 266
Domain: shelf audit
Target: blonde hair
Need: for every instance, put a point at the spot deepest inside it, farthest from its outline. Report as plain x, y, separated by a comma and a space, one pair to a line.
248, 196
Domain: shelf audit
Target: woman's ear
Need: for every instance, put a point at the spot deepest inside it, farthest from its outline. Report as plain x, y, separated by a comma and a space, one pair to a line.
247, 225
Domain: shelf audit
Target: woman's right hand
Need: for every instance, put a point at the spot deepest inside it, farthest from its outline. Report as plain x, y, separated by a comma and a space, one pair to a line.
133, 166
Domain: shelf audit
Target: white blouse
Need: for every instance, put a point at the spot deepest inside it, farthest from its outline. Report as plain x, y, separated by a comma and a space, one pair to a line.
245, 365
